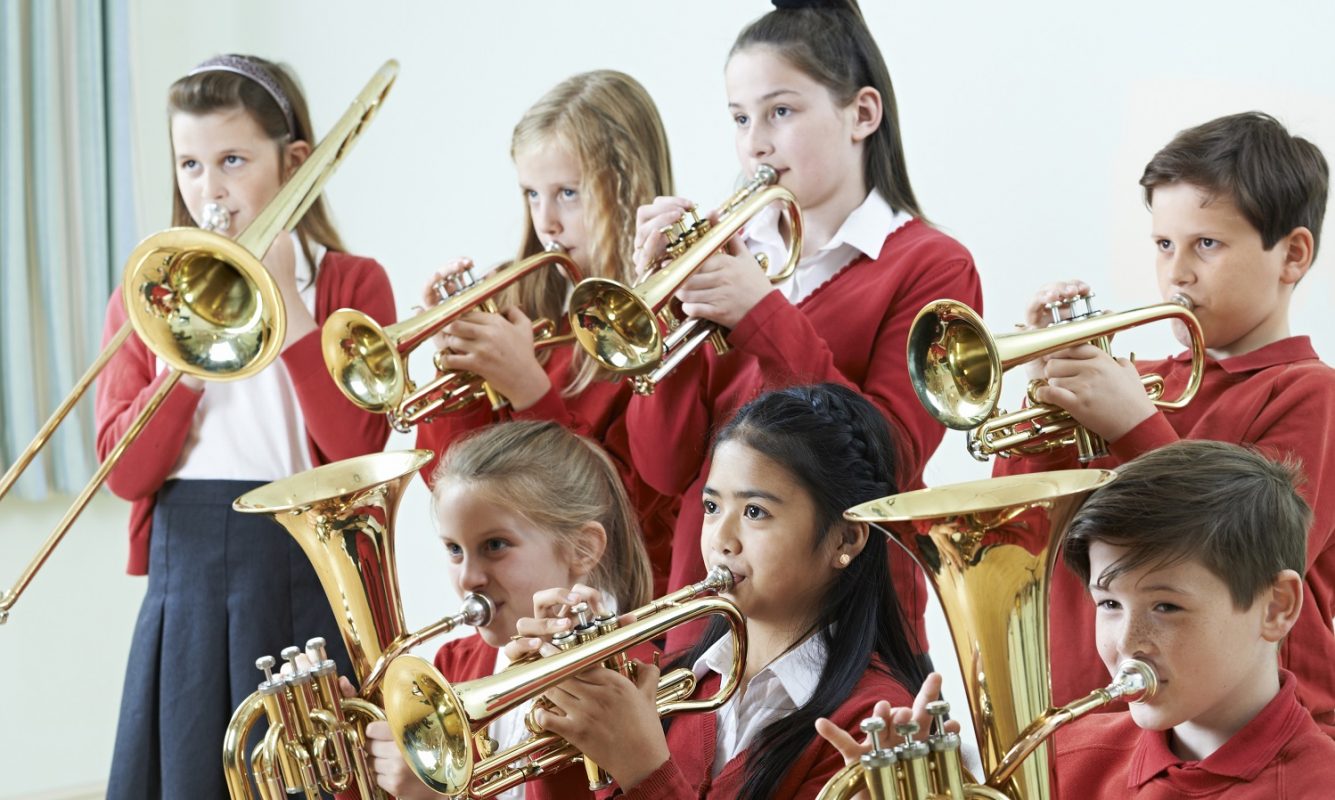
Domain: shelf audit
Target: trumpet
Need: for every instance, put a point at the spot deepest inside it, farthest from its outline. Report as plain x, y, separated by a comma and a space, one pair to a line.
619, 326
370, 363
342, 515
988, 549
204, 304
437, 725
955, 365
316, 738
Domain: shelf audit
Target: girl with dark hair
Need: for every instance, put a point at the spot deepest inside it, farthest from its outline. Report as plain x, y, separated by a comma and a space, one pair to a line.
810, 95
825, 636
225, 587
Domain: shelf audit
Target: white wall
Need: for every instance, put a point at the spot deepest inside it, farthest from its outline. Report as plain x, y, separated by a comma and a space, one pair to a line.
1026, 129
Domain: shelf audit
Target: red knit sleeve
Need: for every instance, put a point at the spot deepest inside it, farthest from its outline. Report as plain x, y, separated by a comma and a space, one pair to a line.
669, 431
664, 783
335, 428
784, 341
123, 389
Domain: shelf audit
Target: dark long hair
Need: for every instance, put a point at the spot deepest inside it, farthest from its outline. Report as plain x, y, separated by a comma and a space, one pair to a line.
839, 448
830, 42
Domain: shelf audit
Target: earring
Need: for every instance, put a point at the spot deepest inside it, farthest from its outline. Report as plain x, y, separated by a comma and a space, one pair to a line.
844, 559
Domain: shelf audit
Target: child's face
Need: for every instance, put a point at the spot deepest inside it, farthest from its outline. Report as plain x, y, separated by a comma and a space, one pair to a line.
761, 524
786, 119
224, 157
1209, 252
497, 552
549, 175
1210, 656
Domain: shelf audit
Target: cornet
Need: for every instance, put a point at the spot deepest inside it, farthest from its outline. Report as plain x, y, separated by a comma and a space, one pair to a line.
619, 326
955, 365
436, 724
204, 304
370, 363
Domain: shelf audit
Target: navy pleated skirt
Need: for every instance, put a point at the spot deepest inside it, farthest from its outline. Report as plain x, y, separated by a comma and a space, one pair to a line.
223, 589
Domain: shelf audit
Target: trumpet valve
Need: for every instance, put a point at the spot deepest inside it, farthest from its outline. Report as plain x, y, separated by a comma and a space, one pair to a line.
1072, 308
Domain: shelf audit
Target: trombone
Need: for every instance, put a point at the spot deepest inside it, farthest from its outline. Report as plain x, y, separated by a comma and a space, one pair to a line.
955, 365
619, 326
436, 724
370, 363
204, 304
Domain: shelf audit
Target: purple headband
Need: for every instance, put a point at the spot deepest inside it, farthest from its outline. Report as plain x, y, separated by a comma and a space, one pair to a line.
249, 69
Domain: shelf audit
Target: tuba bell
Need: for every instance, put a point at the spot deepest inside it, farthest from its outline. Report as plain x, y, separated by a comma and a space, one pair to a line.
343, 517
955, 365
369, 363
436, 724
989, 548
619, 326
204, 304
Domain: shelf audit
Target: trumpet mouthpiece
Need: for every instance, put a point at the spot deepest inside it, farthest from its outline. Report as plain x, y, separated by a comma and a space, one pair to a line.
1136, 681
719, 579
1184, 301
477, 610
215, 218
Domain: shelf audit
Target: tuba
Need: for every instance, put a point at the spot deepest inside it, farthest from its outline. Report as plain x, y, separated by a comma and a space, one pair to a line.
342, 515
619, 326
204, 304
436, 724
955, 365
988, 548
370, 363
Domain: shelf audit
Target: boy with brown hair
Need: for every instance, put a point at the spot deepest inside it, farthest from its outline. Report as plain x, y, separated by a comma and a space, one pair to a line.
1237, 206
1194, 558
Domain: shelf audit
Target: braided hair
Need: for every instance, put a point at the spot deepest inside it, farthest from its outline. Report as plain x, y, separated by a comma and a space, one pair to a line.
839, 448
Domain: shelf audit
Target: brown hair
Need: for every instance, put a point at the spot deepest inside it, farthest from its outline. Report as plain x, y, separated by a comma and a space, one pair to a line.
1278, 181
609, 122
1227, 507
558, 481
831, 43
218, 90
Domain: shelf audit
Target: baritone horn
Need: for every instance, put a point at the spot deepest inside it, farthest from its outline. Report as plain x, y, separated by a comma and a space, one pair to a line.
342, 515
370, 363
438, 724
204, 304
622, 327
956, 364
988, 548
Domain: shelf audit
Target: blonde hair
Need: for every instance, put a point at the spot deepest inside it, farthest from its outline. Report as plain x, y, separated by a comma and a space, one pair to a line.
218, 90
609, 122
559, 482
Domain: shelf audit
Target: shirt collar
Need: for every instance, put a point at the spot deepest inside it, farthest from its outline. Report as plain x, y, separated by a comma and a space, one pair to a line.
798, 670
864, 229
1284, 351
1243, 756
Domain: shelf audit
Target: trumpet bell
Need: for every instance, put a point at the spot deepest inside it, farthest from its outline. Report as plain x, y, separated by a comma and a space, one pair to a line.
204, 304
435, 731
615, 326
363, 360
954, 363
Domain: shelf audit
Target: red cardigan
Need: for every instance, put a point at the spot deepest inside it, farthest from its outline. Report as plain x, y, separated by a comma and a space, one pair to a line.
852, 330
598, 412
335, 428
1279, 398
1280, 754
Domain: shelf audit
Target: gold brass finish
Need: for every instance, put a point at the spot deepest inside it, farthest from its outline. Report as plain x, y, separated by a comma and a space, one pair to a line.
370, 363
989, 548
343, 517
204, 304
619, 326
955, 365
435, 723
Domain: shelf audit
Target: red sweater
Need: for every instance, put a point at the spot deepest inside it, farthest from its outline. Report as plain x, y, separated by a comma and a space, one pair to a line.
1280, 754
691, 741
1280, 398
335, 429
851, 330
598, 412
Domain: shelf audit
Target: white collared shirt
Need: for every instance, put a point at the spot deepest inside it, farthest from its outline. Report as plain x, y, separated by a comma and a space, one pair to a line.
251, 429
777, 690
863, 233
